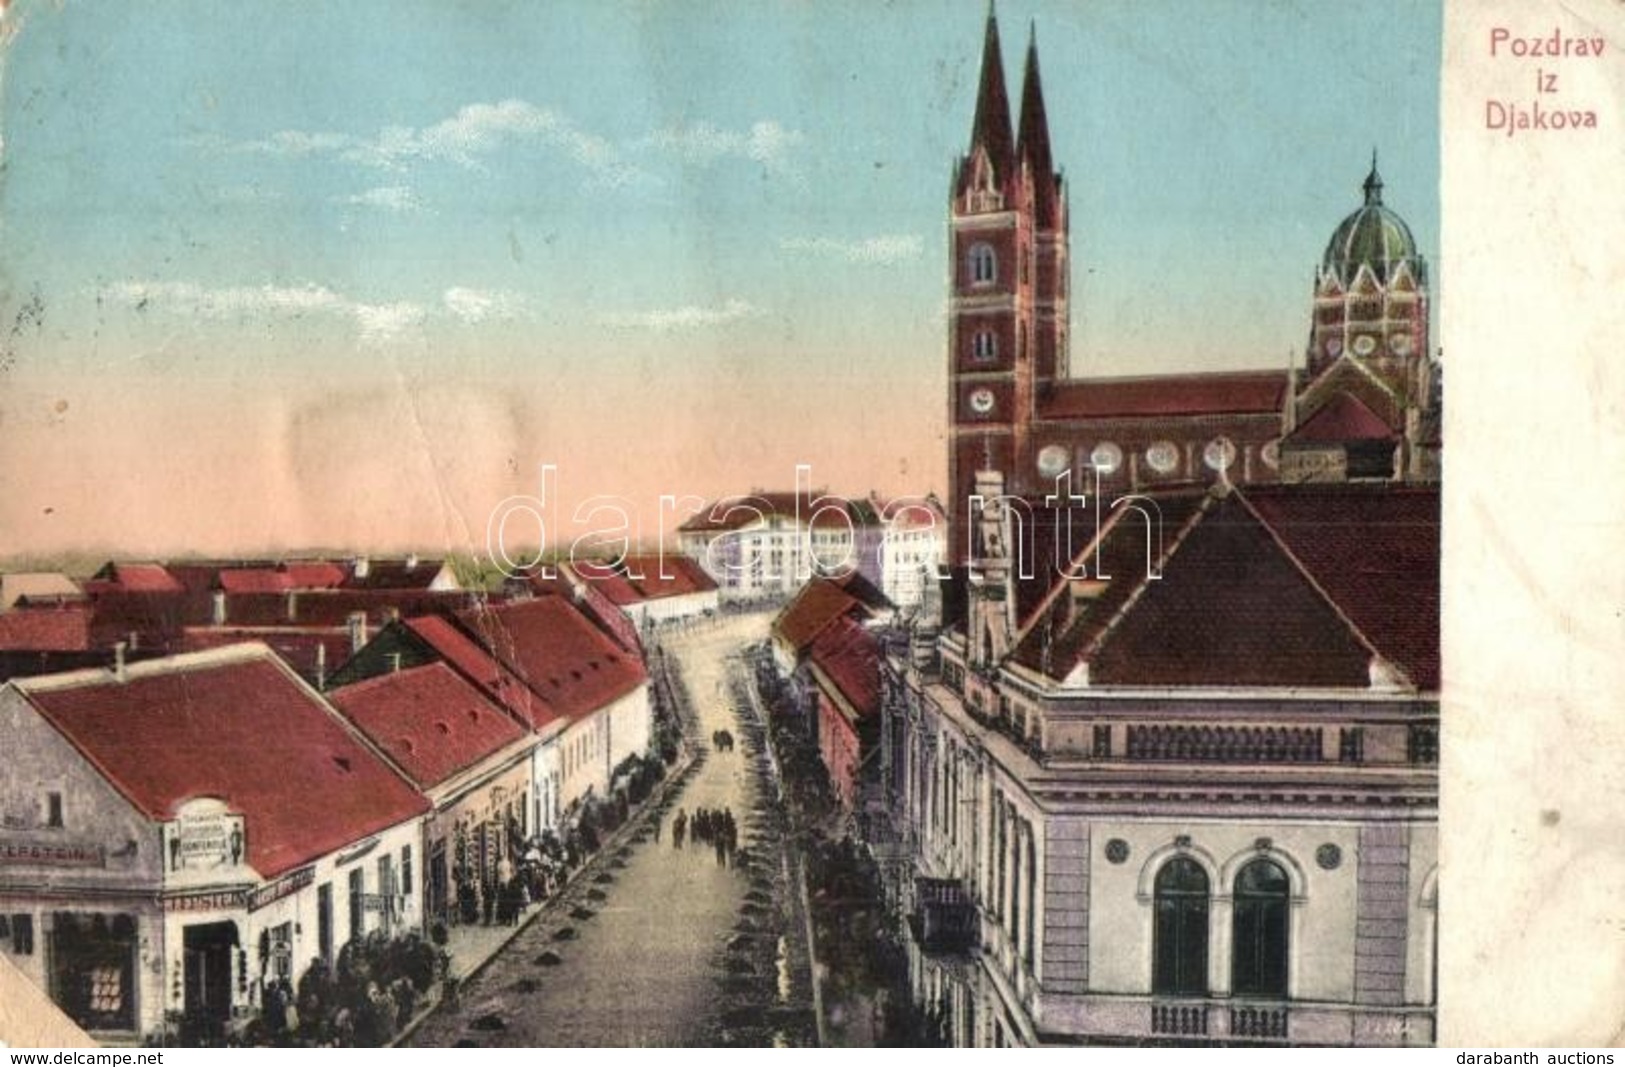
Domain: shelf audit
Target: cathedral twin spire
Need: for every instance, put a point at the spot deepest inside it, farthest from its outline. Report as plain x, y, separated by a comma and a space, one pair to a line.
991, 132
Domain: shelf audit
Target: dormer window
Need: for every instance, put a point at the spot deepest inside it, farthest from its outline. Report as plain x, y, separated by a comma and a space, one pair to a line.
984, 269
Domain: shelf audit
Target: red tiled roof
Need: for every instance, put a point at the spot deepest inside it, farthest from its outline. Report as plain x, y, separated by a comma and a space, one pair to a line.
1231, 609
595, 605
45, 629
400, 574
1069, 625
307, 651
430, 721
1240, 393
140, 577
849, 657
1270, 586
1343, 418
1374, 552
819, 603
559, 652
233, 725
302, 576
482, 669
656, 578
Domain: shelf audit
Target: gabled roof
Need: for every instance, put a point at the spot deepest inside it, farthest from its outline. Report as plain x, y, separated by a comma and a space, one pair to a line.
233, 724
819, 603
1374, 553
1290, 586
138, 578
1341, 419
448, 641
36, 585
1241, 393
592, 599
558, 652
849, 657
427, 719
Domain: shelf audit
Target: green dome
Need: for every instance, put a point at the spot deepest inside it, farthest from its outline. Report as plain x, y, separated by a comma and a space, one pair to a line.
1374, 236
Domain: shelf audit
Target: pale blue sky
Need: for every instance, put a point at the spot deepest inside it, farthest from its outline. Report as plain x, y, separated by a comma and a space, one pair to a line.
722, 205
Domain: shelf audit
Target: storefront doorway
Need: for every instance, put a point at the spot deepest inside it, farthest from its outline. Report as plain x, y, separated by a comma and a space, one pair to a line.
208, 978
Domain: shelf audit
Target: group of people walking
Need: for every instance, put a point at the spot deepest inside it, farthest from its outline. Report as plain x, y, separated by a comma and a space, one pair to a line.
711, 827
722, 740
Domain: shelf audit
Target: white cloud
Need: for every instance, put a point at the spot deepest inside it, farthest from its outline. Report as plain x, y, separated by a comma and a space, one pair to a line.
375, 323
396, 198
766, 142
465, 139
477, 305
690, 317
883, 249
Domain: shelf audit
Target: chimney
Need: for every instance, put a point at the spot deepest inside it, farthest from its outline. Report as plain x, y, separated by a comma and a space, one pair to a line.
218, 614
119, 673
358, 630
361, 567
321, 666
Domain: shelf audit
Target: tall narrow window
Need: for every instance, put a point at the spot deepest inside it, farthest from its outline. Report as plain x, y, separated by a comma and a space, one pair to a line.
53, 809
1180, 952
324, 920
983, 267
358, 888
984, 346
1262, 904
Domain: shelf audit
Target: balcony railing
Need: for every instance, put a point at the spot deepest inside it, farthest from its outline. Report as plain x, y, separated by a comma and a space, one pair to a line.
1179, 1020
1226, 744
1259, 1022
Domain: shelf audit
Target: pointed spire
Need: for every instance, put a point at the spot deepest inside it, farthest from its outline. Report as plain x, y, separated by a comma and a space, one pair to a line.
1033, 145
992, 128
1373, 183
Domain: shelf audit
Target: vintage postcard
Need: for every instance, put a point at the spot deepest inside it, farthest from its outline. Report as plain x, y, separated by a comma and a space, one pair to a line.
788, 524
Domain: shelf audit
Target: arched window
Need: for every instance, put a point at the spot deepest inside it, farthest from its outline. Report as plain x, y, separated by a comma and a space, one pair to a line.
984, 346
1180, 952
983, 267
1262, 907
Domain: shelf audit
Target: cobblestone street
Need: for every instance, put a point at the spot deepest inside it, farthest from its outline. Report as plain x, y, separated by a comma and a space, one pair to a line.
650, 944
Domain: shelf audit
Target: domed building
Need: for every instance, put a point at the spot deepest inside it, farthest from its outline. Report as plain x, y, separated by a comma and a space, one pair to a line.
1370, 409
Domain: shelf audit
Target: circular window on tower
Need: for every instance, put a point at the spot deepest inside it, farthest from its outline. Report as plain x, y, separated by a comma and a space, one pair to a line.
1106, 457
1400, 344
1219, 454
1364, 345
1270, 453
1162, 457
1051, 460
981, 401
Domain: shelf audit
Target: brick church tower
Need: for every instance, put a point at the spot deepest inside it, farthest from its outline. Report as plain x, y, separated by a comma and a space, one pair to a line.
1008, 319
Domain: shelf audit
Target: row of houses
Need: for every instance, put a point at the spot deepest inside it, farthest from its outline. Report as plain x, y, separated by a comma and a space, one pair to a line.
180, 833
